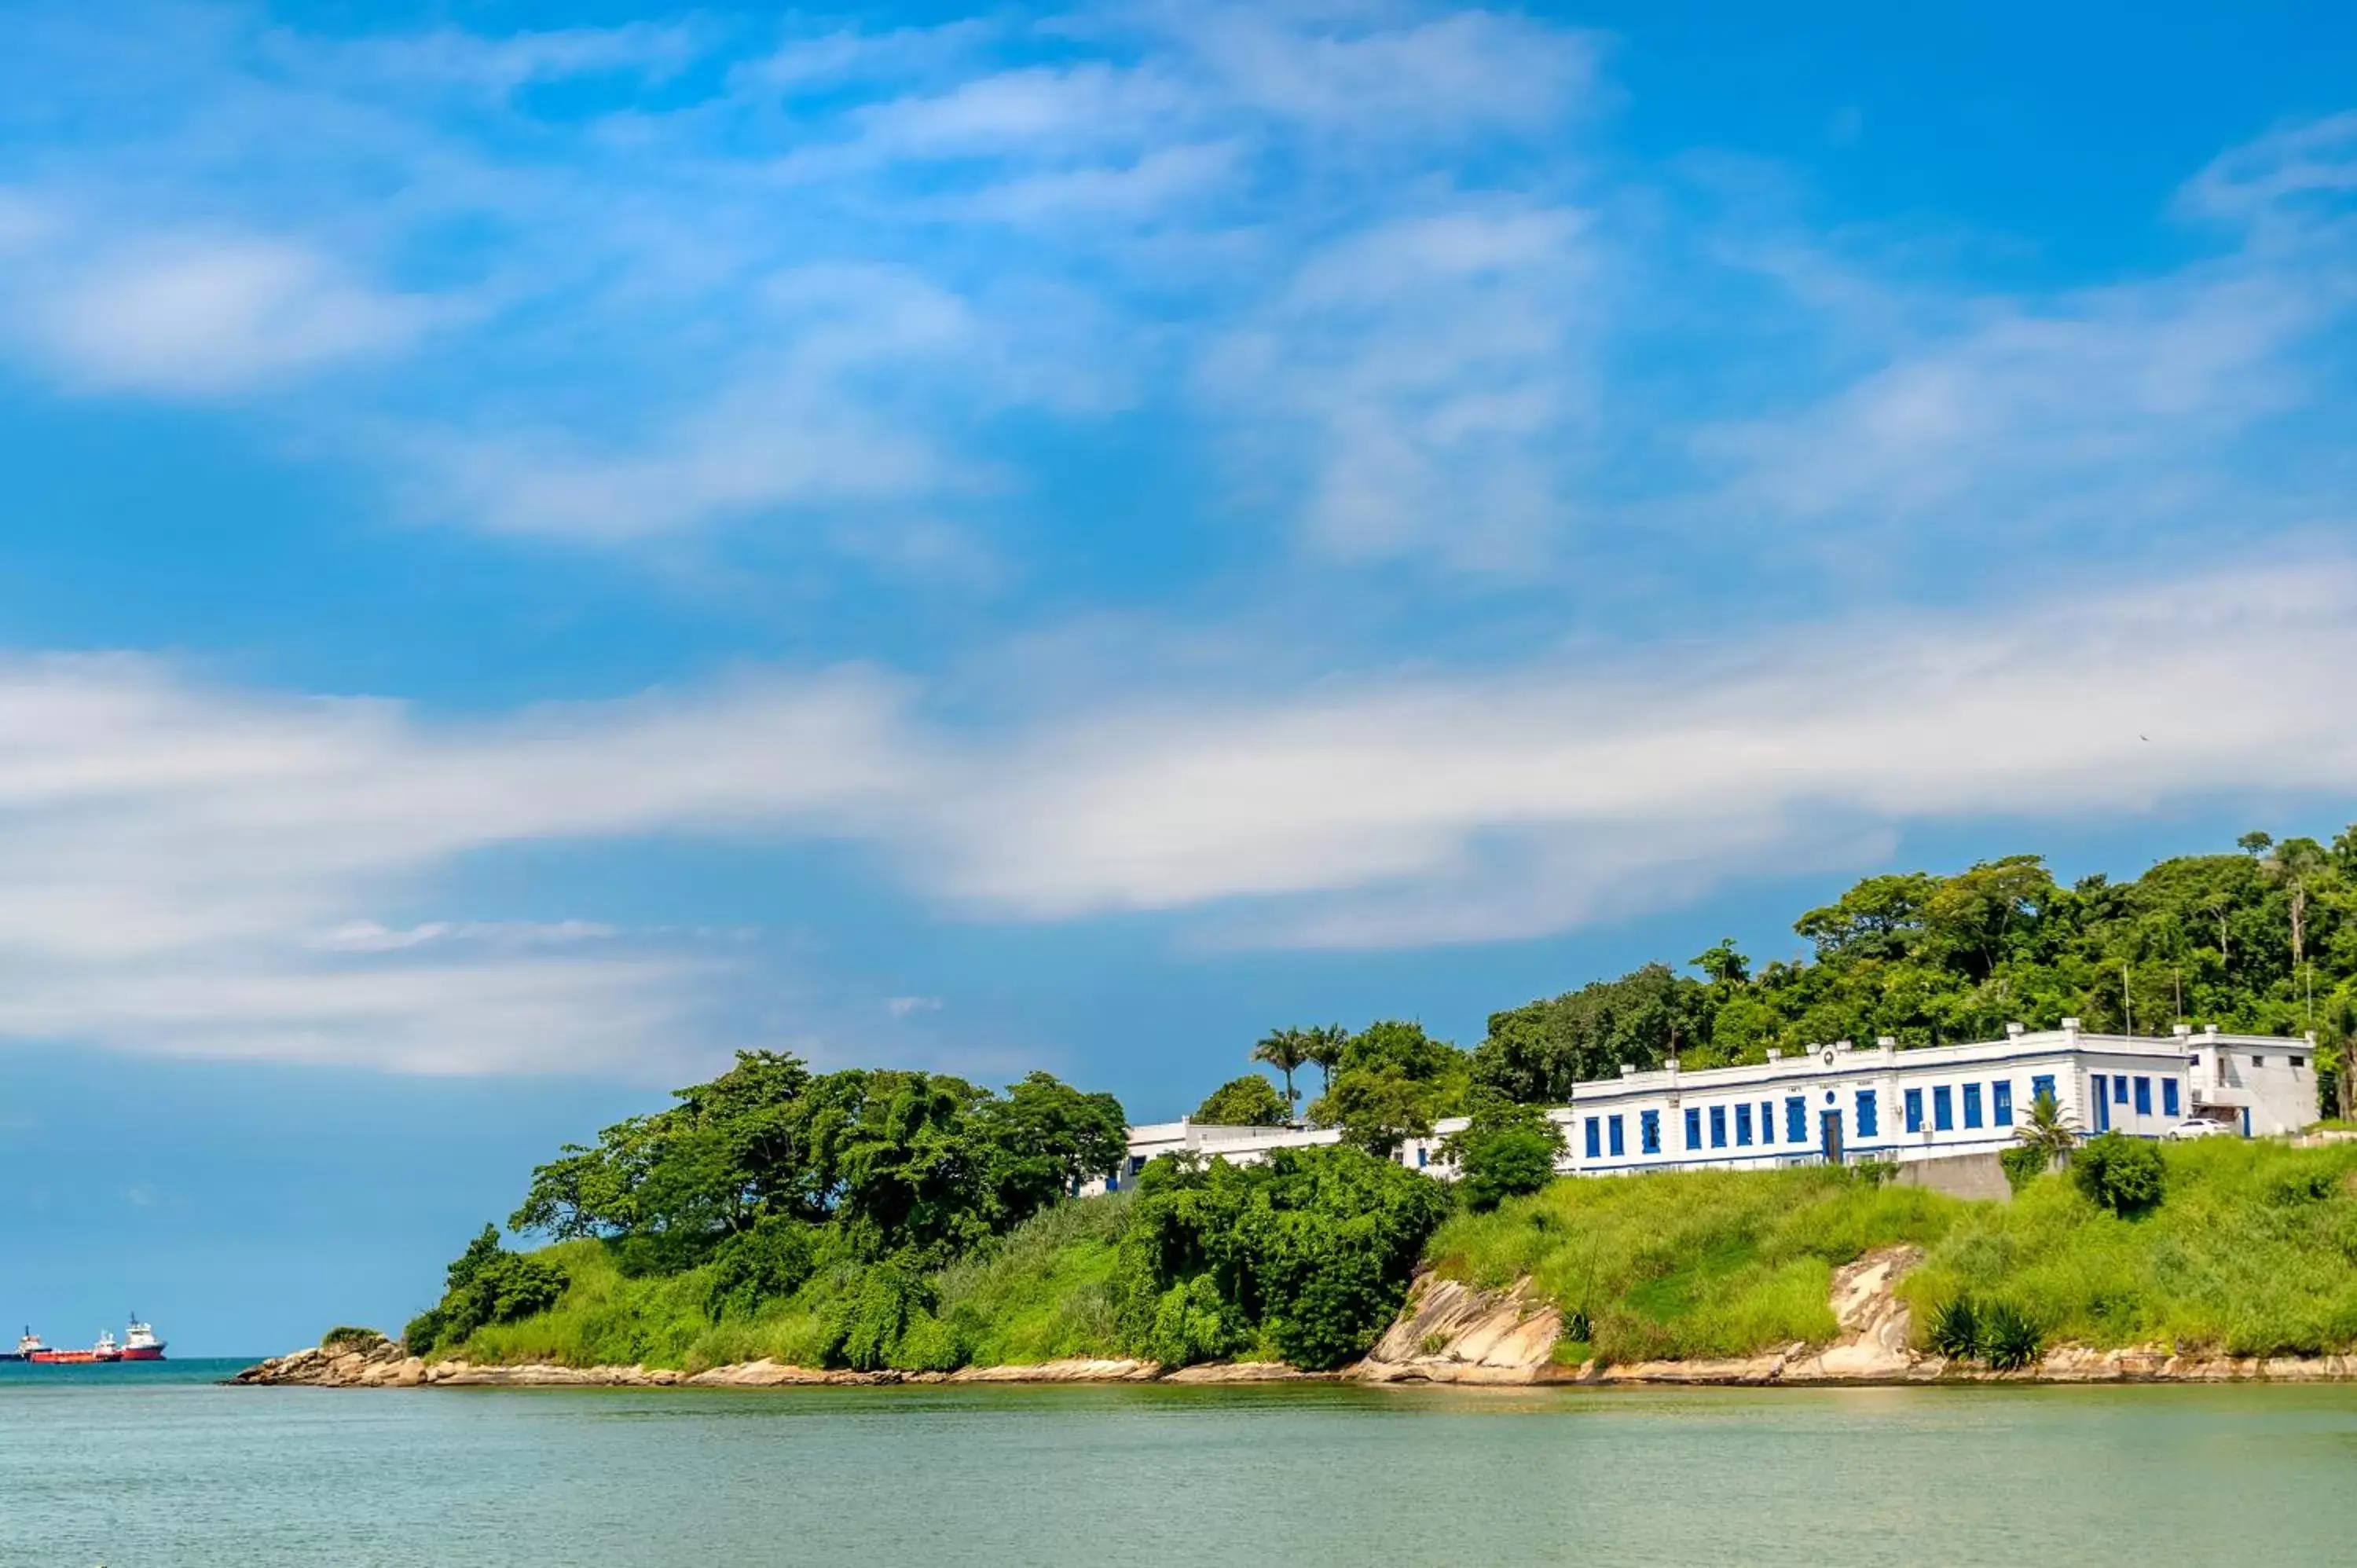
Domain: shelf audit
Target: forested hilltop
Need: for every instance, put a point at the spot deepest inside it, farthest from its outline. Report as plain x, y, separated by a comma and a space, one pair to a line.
2262, 940
874, 1218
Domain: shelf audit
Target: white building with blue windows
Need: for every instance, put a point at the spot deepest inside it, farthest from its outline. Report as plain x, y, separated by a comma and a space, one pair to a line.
1847, 1103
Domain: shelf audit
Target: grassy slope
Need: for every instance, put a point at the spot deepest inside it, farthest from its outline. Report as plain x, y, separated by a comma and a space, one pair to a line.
1690, 1263
1043, 1294
2251, 1253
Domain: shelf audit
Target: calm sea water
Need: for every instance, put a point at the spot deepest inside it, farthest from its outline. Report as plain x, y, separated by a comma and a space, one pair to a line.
139, 1467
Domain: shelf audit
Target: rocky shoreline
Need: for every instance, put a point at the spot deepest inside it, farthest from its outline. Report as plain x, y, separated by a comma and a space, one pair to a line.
1447, 1333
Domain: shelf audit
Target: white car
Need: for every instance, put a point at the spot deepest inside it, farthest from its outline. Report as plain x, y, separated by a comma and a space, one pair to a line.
2199, 1127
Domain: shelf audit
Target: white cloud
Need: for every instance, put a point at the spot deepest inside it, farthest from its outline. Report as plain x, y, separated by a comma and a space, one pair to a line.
1452, 75
200, 316
1431, 809
190, 870
2101, 405
1420, 383
369, 936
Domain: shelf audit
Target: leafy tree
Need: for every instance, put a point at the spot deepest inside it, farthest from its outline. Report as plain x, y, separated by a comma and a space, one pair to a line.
767, 1261
1307, 1255
1284, 1050
1391, 1081
1505, 1151
2121, 1173
1041, 1141
485, 1285
1535, 1053
1247, 1101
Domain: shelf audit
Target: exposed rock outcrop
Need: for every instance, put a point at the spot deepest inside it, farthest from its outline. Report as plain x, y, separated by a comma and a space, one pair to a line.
1450, 1333
387, 1365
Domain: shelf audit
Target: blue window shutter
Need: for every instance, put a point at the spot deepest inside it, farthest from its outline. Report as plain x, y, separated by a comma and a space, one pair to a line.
2168, 1097
2119, 1088
2144, 1095
1649, 1133
1869, 1122
1796, 1120
1943, 1108
1693, 1126
1421, 1152
1915, 1111
1743, 1125
1620, 1143
1718, 1126
1972, 1105
1595, 1139
2001, 1102
2043, 1084
1767, 1121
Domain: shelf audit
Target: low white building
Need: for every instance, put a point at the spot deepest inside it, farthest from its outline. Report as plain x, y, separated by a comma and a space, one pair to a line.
1209, 1140
1847, 1103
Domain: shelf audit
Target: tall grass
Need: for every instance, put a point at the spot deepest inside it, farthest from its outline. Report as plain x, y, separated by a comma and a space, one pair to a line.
2252, 1252
1690, 1263
1039, 1292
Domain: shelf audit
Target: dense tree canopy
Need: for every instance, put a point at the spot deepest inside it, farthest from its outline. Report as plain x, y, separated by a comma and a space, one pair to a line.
896, 1159
1306, 1256
1247, 1101
2263, 940
1389, 1083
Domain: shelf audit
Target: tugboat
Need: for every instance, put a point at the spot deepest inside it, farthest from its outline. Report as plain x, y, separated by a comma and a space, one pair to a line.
139, 1342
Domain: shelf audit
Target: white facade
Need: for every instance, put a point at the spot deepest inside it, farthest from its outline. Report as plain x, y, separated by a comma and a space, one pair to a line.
1237, 1146
1882, 1102
1875, 1102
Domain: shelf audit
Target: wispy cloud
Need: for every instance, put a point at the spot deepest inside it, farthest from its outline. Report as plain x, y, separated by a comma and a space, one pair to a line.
185, 868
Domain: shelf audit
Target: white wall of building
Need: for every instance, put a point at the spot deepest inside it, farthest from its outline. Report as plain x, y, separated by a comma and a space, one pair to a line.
1872, 1103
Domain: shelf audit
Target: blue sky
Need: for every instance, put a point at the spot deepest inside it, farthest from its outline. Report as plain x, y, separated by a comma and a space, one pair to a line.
545, 544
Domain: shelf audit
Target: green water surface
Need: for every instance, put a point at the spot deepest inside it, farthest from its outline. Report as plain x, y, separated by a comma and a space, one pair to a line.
160, 1468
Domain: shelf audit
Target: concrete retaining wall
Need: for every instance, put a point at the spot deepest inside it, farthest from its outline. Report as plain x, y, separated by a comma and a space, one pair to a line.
1960, 1176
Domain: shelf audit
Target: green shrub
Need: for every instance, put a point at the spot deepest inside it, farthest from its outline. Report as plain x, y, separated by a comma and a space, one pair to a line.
869, 1322
2023, 1164
1956, 1329
1507, 1150
2008, 1338
2121, 1173
344, 1337
1191, 1324
765, 1264
1307, 1254
486, 1285
930, 1345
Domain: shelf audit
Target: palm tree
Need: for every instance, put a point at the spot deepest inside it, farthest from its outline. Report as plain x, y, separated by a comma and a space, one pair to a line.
2049, 1129
1325, 1049
1284, 1049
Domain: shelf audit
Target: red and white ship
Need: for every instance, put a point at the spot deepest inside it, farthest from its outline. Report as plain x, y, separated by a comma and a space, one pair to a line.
139, 1344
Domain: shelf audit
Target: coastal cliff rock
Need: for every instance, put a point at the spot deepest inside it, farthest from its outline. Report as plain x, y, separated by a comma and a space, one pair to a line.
1872, 1347
386, 1365
1448, 1332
